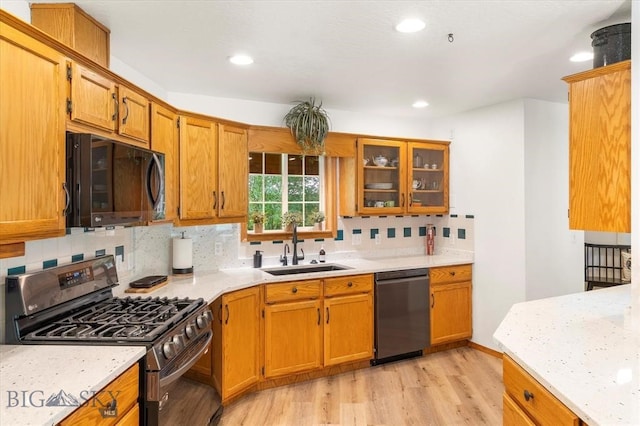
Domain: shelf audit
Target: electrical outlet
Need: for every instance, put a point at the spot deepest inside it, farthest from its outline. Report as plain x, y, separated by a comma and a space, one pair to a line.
217, 250
356, 239
378, 239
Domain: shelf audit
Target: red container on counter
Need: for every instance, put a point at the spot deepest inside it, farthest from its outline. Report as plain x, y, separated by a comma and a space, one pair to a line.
431, 239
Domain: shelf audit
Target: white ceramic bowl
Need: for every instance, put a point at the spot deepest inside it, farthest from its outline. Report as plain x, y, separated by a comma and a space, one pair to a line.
380, 161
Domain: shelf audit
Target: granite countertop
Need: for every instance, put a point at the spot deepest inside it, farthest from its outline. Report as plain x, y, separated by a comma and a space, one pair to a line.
30, 374
583, 348
211, 285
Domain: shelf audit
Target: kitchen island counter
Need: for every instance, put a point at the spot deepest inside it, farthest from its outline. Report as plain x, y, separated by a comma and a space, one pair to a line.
210, 285
583, 348
30, 374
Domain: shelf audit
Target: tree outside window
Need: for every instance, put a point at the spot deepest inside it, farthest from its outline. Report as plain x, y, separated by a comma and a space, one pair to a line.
279, 183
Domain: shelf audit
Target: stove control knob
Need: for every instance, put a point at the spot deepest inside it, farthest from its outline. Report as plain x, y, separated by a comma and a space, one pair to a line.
177, 342
168, 350
208, 315
201, 321
190, 331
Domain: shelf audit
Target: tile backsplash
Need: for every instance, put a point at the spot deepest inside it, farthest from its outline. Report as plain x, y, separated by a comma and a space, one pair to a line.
147, 250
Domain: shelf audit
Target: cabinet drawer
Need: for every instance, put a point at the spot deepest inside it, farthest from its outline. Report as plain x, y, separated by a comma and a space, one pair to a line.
125, 391
542, 406
294, 290
512, 415
450, 274
348, 285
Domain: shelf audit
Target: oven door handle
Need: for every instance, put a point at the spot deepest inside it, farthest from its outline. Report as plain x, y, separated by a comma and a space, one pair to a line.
164, 381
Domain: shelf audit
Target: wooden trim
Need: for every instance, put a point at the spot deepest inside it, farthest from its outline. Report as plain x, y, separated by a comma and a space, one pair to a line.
486, 350
598, 72
445, 347
12, 250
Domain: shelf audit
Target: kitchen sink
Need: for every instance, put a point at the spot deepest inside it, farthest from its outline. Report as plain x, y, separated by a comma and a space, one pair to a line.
305, 269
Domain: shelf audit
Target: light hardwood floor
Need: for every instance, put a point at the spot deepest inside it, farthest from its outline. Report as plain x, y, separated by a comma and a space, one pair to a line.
458, 387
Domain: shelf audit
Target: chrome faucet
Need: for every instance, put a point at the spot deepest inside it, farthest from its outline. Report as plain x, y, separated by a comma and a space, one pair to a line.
283, 258
294, 240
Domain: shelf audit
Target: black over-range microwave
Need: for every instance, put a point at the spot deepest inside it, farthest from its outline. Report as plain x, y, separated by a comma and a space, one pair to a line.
112, 183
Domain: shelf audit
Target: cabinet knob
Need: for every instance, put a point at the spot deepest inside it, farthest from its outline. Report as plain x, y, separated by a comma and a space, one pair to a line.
349, 284
527, 395
294, 290
452, 273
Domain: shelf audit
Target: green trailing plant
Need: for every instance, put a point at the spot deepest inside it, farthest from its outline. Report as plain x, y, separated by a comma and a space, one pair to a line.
309, 125
289, 218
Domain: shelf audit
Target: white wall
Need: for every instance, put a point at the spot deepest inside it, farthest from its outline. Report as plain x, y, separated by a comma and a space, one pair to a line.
554, 254
487, 177
19, 8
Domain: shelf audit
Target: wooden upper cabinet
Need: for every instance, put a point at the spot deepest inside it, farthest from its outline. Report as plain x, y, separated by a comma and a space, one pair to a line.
133, 118
164, 139
199, 197
427, 178
69, 24
233, 159
600, 149
32, 141
94, 100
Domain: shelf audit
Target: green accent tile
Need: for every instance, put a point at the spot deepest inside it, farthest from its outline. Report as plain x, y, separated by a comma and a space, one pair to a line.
67, 231
101, 252
277, 242
49, 263
445, 232
77, 257
89, 230
17, 270
373, 233
422, 231
319, 240
357, 231
400, 216
453, 215
439, 215
340, 235
120, 251
255, 243
468, 216
381, 217
407, 232
462, 233
391, 232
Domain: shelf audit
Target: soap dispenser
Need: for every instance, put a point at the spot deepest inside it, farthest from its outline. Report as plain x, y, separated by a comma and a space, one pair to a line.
257, 259
321, 256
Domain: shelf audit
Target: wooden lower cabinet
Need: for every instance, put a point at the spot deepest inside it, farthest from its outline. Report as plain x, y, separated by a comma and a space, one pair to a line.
293, 337
450, 312
348, 328
125, 388
236, 341
527, 402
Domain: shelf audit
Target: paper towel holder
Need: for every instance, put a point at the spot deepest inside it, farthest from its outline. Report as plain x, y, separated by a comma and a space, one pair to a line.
180, 271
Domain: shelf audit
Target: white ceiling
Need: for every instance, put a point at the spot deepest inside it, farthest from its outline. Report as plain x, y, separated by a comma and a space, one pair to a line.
347, 54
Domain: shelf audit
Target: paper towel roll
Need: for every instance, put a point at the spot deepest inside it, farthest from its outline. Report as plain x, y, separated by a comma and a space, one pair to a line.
182, 256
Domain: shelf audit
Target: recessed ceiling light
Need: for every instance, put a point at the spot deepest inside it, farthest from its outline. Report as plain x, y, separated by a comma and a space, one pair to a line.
411, 25
420, 104
581, 57
241, 60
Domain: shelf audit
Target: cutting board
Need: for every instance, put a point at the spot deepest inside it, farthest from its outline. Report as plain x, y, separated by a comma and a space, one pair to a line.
146, 290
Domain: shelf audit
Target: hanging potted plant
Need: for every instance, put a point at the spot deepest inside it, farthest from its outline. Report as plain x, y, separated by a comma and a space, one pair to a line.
258, 222
289, 219
309, 125
317, 218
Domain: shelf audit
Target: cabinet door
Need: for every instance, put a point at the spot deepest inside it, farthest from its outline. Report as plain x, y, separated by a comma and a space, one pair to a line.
198, 194
32, 145
348, 328
381, 181
600, 149
240, 340
293, 336
512, 415
450, 312
134, 115
233, 158
164, 139
94, 99
428, 178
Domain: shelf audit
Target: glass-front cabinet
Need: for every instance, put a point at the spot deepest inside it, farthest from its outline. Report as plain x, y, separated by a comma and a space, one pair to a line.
399, 177
382, 185
428, 178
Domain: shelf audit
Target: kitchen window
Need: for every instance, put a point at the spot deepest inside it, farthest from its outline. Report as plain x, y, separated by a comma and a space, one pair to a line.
280, 182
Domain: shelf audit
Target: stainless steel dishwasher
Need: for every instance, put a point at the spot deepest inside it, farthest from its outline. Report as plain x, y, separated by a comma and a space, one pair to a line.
402, 314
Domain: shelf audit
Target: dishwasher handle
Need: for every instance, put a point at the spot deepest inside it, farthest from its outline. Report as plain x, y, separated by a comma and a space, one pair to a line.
423, 278
403, 273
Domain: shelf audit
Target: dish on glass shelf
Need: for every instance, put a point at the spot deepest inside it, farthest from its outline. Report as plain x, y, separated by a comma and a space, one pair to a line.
379, 185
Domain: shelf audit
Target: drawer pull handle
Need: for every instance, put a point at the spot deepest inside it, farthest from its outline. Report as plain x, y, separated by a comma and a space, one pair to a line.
349, 284
294, 290
527, 395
